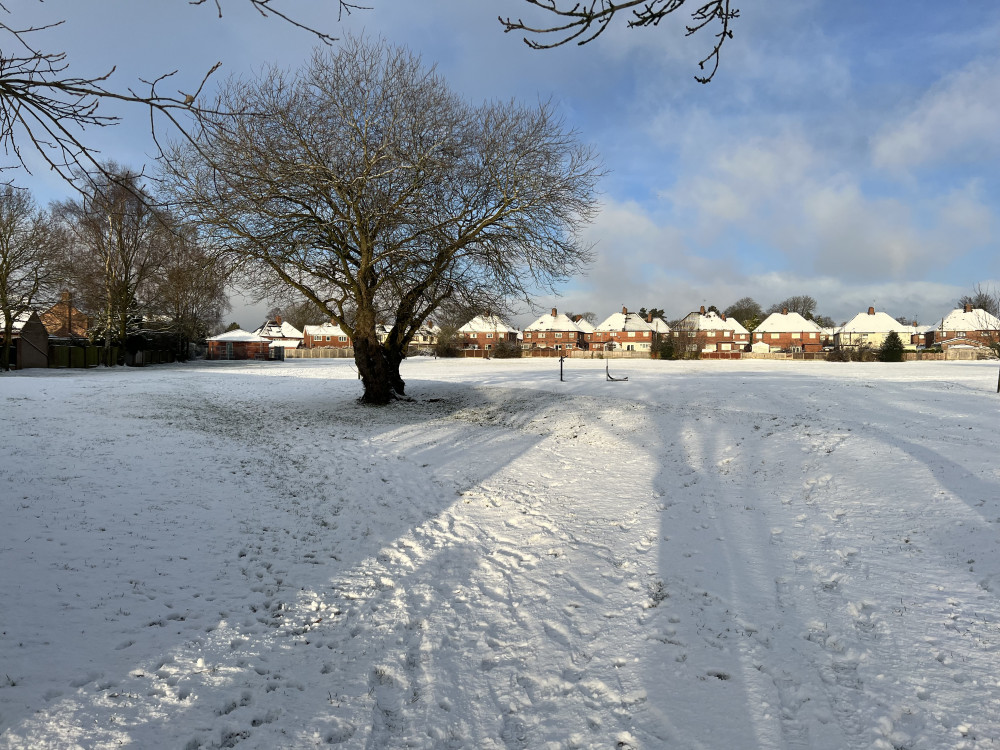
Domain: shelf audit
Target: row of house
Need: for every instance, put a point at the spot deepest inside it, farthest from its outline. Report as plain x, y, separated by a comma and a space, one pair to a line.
703, 332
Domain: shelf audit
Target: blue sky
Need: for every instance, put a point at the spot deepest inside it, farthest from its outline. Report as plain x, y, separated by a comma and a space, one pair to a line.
846, 150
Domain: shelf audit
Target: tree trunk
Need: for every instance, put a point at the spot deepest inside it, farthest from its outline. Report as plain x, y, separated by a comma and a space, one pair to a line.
7, 340
378, 375
395, 359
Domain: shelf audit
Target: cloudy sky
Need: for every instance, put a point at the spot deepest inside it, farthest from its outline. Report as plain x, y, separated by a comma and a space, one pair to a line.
847, 150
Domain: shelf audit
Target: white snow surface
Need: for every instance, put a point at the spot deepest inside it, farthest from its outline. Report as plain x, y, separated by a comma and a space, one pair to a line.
974, 320
710, 555
238, 334
486, 324
790, 322
621, 321
879, 322
550, 322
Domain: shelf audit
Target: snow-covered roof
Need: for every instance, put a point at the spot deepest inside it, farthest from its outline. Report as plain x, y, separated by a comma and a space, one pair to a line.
19, 321
875, 322
712, 321
584, 325
975, 319
326, 329
659, 325
554, 322
787, 322
237, 335
486, 324
272, 329
285, 343
624, 321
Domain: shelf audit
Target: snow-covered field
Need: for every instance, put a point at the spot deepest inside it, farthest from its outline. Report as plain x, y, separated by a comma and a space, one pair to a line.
710, 555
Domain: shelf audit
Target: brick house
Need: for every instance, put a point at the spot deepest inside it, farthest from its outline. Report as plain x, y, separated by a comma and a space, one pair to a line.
921, 335
484, 332
870, 328
623, 331
29, 341
974, 325
426, 337
326, 335
238, 344
709, 332
280, 333
62, 320
553, 332
789, 331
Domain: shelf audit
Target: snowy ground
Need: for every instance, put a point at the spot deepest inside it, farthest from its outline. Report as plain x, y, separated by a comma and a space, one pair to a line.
710, 555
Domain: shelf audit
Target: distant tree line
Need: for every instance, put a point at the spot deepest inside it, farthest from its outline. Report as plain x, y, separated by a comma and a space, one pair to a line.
128, 263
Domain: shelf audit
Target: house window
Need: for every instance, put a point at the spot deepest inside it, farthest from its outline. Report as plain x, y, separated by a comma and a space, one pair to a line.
690, 334
812, 335
489, 335
343, 338
760, 336
631, 334
558, 335
711, 334
774, 336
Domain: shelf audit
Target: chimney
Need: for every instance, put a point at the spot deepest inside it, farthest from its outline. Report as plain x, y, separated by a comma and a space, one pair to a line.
784, 311
553, 312
871, 310
624, 310
277, 319
723, 316
333, 322
702, 311
968, 307
64, 297
649, 318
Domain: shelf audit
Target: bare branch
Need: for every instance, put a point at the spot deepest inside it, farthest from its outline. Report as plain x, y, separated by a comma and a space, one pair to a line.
365, 184
586, 20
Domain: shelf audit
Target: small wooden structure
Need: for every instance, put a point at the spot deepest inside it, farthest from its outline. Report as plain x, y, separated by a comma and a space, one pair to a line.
29, 343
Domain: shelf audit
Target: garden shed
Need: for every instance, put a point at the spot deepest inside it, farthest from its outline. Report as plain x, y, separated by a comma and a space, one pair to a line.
238, 344
30, 342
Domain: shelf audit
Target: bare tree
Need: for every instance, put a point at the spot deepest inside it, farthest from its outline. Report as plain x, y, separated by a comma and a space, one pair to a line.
982, 298
299, 313
46, 110
117, 248
29, 260
747, 311
189, 294
582, 21
368, 186
802, 304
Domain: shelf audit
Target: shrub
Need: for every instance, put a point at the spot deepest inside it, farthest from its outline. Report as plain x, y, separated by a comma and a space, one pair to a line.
666, 349
838, 355
863, 353
506, 350
891, 349
446, 348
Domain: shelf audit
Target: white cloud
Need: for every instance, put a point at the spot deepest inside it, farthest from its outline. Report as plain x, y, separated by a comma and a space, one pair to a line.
958, 119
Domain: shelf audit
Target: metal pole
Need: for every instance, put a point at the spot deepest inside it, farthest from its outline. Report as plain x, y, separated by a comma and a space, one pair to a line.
561, 373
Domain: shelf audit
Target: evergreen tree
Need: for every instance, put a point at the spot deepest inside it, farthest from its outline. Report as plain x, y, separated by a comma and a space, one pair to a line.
891, 349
